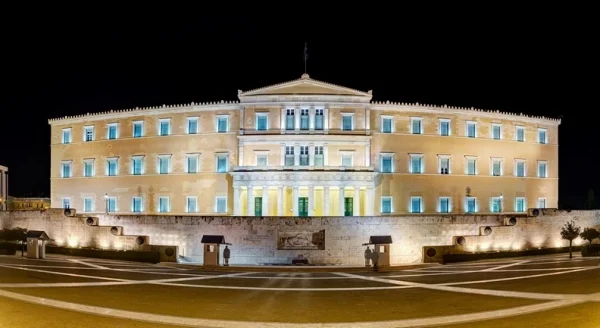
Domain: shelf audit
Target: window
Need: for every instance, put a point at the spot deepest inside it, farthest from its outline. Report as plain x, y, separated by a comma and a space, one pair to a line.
222, 163
444, 164
386, 124
543, 136
164, 126
541, 203
416, 204
88, 167
319, 119
163, 204
520, 204
319, 158
496, 131
471, 167
289, 119
262, 121
416, 163
289, 156
138, 129
471, 129
222, 124
347, 160
444, 204
88, 133
137, 165
496, 167
444, 127
347, 122
65, 169
471, 205
496, 204
387, 163
520, 133
66, 136
136, 204
164, 164
113, 131
542, 169
416, 125
192, 125
191, 204
262, 160
303, 155
191, 163
88, 204
304, 119
112, 204
112, 166
66, 202
386, 205
519, 168
221, 204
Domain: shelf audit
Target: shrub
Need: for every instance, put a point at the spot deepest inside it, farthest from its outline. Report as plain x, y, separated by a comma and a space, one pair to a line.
590, 250
8, 249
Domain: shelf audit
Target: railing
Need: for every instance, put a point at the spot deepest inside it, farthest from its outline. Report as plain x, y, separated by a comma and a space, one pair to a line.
303, 168
285, 131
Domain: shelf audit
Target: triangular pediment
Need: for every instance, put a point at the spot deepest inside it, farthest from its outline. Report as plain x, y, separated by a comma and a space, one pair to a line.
304, 86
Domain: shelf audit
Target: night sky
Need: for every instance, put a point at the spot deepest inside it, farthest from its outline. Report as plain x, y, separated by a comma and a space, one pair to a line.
60, 66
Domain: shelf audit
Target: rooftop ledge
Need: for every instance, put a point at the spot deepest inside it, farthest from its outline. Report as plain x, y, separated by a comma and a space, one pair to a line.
304, 168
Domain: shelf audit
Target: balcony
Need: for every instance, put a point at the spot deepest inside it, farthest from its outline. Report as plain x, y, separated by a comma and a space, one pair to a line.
285, 131
303, 168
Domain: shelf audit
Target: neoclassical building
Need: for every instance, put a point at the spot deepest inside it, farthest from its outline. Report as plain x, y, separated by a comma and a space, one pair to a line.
304, 148
3, 188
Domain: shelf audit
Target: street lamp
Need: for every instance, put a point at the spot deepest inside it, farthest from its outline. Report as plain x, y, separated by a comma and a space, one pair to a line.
106, 202
501, 201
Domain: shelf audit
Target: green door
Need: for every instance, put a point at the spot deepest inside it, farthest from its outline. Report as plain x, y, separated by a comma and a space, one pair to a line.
348, 206
257, 206
302, 206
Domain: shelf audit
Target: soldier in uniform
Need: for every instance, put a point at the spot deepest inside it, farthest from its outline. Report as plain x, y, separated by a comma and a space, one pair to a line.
226, 256
367, 257
375, 258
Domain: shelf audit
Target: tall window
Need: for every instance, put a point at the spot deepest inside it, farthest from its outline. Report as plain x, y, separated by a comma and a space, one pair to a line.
496, 167
262, 160
138, 129
471, 129
347, 124
416, 163
496, 131
444, 204
289, 156
221, 204
66, 201
387, 163
541, 203
386, 204
444, 164
520, 133
88, 133
262, 121
164, 127
163, 204
164, 164
112, 204
88, 167
192, 163
192, 125
112, 165
88, 204
543, 136
191, 204
319, 119
386, 124
416, 125
113, 131
289, 119
136, 204
319, 158
347, 160
444, 127
520, 168
222, 124
520, 204
304, 119
471, 168
66, 169
137, 165
416, 204
542, 169
303, 155
496, 204
471, 205
66, 136
222, 163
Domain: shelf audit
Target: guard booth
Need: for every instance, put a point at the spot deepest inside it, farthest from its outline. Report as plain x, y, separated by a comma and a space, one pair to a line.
382, 246
36, 244
212, 252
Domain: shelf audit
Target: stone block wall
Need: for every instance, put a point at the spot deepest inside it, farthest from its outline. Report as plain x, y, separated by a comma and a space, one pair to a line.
255, 239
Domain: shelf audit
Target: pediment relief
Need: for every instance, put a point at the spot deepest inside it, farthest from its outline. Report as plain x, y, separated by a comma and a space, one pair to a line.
304, 86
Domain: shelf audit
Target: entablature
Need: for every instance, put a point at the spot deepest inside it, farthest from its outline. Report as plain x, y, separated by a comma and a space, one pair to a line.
304, 178
285, 138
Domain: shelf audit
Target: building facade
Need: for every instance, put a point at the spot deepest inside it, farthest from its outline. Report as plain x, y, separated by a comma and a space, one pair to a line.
3, 188
28, 203
304, 148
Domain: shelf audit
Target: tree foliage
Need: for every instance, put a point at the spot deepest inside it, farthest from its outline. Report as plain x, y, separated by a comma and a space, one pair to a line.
12, 235
570, 231
590, 234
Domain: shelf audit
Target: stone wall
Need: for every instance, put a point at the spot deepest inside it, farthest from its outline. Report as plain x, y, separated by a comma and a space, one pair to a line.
255, 239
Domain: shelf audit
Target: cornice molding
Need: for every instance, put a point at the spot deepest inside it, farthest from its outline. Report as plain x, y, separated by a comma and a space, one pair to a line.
304, 179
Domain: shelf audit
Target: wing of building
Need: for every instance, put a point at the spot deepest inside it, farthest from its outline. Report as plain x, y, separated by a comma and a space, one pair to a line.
3, 188
304, 148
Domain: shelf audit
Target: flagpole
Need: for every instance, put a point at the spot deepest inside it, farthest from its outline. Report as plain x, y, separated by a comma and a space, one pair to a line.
305, 55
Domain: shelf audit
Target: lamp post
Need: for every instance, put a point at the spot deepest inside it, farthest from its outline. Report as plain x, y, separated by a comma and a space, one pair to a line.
106, 202
501, 201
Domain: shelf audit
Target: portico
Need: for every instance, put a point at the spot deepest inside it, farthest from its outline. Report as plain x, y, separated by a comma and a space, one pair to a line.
303, 193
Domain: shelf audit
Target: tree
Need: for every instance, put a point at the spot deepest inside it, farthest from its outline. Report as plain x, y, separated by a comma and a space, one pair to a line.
590, 234
590, 203
569, 232
11, 235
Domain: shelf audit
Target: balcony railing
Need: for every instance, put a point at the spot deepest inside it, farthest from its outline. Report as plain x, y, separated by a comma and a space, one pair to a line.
284, 131
303, 168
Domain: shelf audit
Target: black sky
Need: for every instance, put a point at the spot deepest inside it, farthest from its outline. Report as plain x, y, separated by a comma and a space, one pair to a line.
541, 62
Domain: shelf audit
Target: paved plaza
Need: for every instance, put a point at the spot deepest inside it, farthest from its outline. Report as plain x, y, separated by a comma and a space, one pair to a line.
548, 291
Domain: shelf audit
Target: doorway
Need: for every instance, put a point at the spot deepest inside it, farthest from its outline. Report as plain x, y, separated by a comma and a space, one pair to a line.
302, 206
257, 206
348, 206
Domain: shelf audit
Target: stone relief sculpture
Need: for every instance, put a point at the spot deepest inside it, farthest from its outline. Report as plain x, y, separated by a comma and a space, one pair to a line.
301, 240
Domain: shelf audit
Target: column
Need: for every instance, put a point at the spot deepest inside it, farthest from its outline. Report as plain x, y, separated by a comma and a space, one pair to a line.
265, 201
326, 201
311, 154
368, 119
282, 154
237, 209
369, 204
341, 202
325, 155
242, 119
296, 154
311, 201
280, 201
297, 119
241, 155
356, 202
311, 119
295, 194
325, 119
250, 206
368, 154
282, 120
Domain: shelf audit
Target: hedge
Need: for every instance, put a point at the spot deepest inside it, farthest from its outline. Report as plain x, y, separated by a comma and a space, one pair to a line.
8, 249
453, 258
590, 250
135, 256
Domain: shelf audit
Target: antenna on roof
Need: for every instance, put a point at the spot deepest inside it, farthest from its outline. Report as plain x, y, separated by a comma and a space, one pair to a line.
305, 55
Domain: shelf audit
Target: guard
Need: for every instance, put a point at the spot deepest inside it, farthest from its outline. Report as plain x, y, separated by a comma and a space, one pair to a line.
226, 256
375, 258
368, 254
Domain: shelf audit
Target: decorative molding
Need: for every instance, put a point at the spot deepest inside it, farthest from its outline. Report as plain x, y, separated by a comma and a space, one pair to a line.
303, 179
